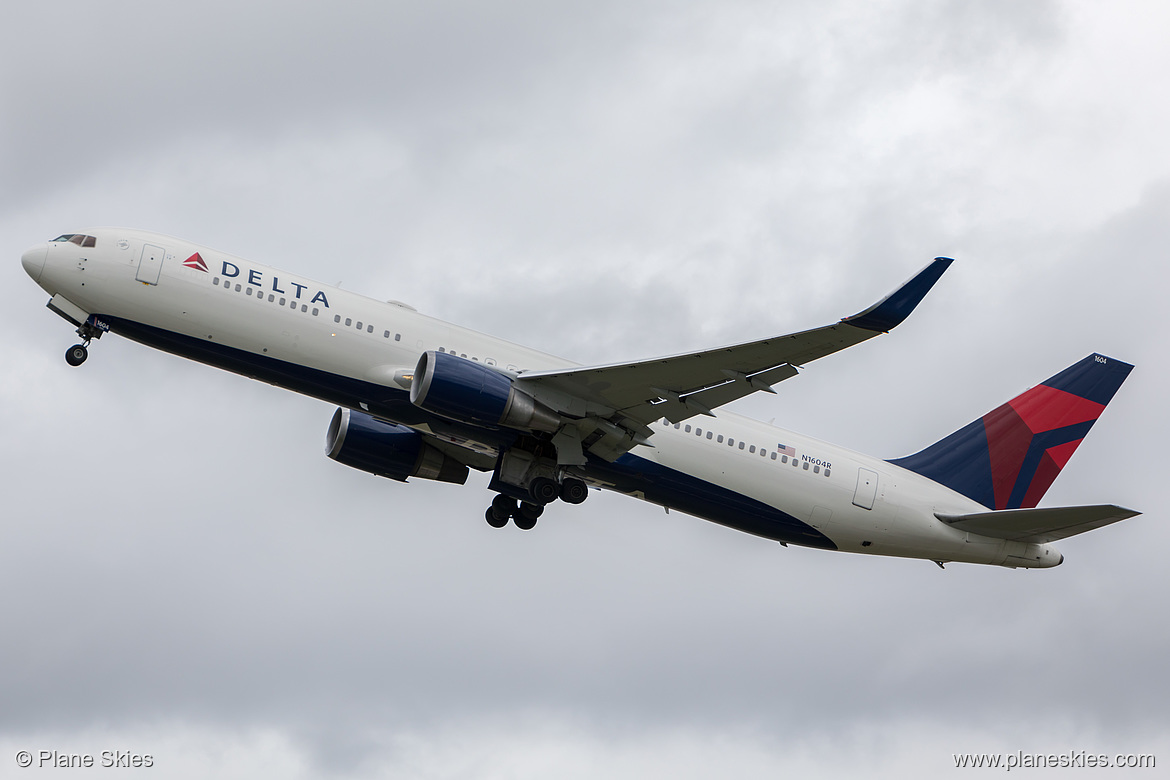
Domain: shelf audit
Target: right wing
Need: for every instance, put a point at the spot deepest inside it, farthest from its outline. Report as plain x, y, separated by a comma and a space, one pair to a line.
623, 398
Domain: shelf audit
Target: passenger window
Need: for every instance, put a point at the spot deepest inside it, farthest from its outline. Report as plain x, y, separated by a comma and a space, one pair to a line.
369, 329
720, 439
708, 434
237, 288
304, 308
398, 337
816, 469
805, 465
315, 310
783, 458
249, 292
678, 425
688, 429
271, 297
348, 321
283, 302
752, 449
826, 472
386, 335
336, 317
215, 281
359, 325
773, 455
741, 445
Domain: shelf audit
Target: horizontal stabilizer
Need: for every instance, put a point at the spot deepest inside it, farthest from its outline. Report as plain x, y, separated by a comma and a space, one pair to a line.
1038, 525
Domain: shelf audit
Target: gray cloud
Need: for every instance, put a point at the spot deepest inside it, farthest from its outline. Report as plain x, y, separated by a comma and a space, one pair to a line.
180, 566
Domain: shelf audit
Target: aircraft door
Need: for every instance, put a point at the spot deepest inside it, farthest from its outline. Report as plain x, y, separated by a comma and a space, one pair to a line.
866, 488
150, 264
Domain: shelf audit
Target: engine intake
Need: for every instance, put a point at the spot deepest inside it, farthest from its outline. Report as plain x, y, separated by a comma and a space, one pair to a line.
364, 442
469, 391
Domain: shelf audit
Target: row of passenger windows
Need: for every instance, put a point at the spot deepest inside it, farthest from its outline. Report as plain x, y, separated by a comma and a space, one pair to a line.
750, 448
337, 318
349, 323
250, 290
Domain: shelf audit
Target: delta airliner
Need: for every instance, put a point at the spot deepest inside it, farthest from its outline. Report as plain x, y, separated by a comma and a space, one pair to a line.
419, 397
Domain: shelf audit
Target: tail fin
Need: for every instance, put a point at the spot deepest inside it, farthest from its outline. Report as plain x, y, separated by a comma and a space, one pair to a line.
1008, 458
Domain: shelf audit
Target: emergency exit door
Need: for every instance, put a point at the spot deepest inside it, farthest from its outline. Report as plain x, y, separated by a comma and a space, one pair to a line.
866, 488
150, 264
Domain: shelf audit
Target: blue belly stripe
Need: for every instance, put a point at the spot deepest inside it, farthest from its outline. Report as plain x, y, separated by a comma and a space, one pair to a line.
629, 473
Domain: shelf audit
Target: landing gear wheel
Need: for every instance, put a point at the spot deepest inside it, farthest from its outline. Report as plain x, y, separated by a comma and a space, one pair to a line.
494, 520
544, 490
574, 491
76, 355
500, 511
526, 515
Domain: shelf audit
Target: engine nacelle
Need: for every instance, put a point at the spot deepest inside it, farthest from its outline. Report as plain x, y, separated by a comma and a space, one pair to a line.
469, 391
364, 442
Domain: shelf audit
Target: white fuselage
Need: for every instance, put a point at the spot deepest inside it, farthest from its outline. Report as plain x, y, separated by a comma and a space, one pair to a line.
862, 504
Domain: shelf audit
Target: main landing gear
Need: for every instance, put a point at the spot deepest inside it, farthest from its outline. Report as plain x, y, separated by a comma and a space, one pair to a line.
542, 491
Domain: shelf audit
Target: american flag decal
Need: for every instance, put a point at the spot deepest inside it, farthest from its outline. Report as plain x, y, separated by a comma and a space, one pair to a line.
784, 449
196, 262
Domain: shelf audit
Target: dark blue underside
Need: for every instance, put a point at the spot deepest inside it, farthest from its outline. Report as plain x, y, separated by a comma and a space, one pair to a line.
629, 474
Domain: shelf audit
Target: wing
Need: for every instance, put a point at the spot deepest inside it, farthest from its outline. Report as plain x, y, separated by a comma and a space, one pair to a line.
632, 395
1038, 525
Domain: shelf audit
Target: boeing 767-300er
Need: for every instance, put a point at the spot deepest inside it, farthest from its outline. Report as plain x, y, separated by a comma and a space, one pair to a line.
423, 398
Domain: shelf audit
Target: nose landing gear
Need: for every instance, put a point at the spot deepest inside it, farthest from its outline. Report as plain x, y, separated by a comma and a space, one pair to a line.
77, 354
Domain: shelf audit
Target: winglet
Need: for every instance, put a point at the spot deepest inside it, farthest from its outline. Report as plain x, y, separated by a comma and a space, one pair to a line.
889, 312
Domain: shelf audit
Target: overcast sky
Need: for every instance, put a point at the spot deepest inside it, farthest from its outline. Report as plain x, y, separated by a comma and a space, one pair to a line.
183, 573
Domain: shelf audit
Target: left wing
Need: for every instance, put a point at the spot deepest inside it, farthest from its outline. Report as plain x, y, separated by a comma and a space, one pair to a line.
621, 399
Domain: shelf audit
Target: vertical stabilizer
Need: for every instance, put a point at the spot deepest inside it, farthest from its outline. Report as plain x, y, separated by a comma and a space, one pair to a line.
1008, 458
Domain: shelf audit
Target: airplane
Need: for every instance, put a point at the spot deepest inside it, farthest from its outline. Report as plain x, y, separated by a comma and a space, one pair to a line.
420, 397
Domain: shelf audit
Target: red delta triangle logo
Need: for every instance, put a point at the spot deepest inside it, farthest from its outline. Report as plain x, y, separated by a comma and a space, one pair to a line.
196, 262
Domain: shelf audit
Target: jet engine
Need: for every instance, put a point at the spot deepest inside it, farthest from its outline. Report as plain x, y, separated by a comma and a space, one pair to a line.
469, 391
364, 442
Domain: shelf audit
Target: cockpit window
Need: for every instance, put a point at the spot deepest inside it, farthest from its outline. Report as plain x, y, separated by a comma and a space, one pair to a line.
77, 238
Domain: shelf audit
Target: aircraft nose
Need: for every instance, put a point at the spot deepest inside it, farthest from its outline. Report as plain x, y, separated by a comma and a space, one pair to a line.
33, 261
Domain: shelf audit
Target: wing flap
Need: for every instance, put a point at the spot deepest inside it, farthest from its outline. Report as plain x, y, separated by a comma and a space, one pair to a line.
1038, 525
